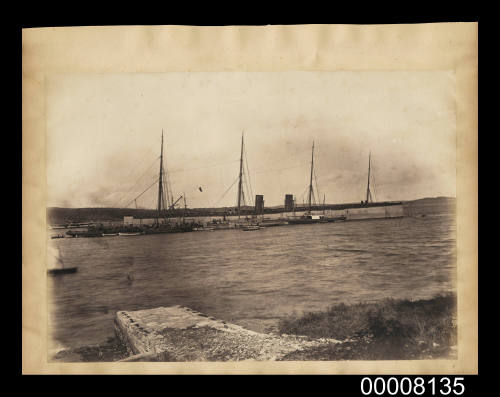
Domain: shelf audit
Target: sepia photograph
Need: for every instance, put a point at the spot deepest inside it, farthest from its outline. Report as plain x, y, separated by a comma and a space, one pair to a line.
251, 216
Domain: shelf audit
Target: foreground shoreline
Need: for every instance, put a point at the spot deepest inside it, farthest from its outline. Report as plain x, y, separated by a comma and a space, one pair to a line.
385, 330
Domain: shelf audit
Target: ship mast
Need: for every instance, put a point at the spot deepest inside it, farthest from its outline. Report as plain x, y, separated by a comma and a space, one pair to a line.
311, 180
368, 193
240, 177
160, 182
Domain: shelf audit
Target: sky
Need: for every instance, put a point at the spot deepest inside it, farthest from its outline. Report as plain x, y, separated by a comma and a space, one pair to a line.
104, 133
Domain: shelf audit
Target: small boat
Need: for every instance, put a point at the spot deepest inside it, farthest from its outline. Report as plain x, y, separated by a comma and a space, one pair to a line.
130, 234
62, 270
57, 236
57, 264
71, 233
250, 227
110, 234
336, 218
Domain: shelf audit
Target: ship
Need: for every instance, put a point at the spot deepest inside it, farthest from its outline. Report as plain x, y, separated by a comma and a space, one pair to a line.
162, 223
308, 216
364, 210
369, 208
166, 217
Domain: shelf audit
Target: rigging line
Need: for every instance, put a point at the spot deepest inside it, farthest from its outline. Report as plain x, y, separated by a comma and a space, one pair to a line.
155, 180
166, 194
278, 169
168, 187
150, 186
302, 195
245, 183
139, 164
138, 168
164, 190
136, 182
207, 166
287, 157
153, 200
165, 185
243, 194
316, 183
236, 180
248, 172
248, 191
374, 184
148, 200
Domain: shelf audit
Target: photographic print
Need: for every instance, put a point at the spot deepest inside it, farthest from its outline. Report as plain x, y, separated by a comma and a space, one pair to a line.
252, 216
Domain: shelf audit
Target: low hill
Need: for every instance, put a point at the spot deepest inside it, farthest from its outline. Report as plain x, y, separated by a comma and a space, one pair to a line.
440, 200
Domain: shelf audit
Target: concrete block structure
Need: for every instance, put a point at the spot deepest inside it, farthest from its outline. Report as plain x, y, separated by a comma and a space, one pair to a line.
259, 204
179, 333
288, 202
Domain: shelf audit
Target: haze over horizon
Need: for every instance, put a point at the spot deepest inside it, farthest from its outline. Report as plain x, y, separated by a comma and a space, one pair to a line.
104, 132
191, 207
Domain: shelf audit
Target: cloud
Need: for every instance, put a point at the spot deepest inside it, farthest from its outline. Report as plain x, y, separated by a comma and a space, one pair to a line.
104, 132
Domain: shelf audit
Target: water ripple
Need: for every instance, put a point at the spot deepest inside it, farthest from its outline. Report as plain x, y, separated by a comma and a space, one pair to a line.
251, 278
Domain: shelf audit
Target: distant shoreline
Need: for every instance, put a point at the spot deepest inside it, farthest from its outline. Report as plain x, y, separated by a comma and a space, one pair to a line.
60, 215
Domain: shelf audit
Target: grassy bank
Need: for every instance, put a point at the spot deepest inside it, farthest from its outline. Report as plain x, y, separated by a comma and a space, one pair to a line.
387, 330
111, 350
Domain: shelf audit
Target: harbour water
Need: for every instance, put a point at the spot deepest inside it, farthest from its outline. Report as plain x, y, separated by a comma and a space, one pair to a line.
249, 278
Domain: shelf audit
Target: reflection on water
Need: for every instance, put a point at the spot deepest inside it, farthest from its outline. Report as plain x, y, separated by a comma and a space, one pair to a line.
249, 278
